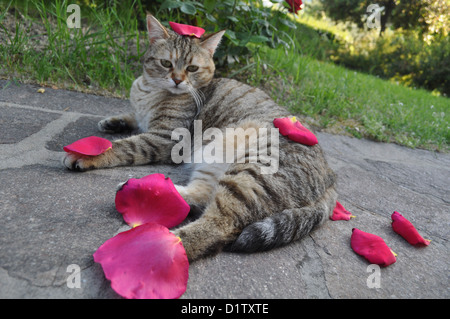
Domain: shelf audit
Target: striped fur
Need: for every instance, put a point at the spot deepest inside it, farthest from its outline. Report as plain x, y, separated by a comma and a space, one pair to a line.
243, 210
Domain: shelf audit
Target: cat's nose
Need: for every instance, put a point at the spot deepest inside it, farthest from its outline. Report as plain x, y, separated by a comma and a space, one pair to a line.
177, 81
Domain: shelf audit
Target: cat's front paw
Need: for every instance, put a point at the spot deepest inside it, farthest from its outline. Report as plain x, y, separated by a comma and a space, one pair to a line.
76, 162
114, 125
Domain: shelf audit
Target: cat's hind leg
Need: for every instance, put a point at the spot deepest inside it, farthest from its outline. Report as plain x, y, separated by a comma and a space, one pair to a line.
202, 184
232, 206
118, 124
209, 233
204, 178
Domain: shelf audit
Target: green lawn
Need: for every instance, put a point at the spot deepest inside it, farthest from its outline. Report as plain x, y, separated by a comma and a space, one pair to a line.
342, 100
104, 57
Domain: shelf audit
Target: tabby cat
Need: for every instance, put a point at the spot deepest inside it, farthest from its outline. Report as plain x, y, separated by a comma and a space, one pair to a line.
243, 209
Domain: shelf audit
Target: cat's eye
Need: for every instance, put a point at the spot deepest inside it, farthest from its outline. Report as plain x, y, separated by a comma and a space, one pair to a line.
192, 68
166, 63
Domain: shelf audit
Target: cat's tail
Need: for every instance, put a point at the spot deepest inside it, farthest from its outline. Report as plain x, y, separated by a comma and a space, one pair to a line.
284, 227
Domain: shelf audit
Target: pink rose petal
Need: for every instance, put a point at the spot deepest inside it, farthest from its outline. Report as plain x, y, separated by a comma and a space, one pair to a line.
340, 213
152, 198
184, 29
91, 146
406, 229
295, 131
372, 247
144, 262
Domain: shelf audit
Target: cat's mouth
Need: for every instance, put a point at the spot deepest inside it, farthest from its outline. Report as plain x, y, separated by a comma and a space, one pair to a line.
176, 89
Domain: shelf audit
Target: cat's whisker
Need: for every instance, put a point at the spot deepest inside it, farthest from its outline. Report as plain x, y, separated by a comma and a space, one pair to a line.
202, 95
191, 90
198, 98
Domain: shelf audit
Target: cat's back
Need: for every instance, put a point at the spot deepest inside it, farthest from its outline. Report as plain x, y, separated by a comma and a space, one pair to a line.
226, 91
228, 101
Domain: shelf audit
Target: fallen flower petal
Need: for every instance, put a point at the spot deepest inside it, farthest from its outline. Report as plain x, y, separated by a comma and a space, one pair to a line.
145, 262
372, 247
189, 30
152, 198
340, 213
295, 131
406, 229
91, 146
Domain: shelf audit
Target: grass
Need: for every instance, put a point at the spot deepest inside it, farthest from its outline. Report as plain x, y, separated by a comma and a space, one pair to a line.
104, 57
344, 101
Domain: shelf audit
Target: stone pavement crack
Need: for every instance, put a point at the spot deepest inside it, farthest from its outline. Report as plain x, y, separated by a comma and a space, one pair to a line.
31, 150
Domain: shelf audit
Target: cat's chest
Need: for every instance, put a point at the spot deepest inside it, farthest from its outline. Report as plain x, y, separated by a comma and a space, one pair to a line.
145, 108
156, 104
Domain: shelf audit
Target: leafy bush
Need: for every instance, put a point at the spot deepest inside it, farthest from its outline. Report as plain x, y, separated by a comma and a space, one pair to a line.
248, 23
435, 63
401, 56
412, 50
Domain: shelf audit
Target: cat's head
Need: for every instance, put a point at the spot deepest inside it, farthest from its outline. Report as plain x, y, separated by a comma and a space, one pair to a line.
176, 63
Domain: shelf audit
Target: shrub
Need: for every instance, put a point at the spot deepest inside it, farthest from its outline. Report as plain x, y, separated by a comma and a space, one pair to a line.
247, 23
401, 56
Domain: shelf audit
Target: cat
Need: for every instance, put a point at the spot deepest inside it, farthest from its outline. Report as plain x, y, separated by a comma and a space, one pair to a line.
243, 210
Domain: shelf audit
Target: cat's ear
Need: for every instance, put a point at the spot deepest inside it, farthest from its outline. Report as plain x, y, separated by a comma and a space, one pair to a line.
155, 29
211, 41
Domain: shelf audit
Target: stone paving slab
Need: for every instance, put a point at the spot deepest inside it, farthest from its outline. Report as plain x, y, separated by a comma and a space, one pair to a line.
53, 218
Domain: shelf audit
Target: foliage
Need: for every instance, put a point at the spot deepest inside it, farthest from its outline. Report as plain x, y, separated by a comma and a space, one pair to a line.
428, 16
36, 42
400, 55
342, 101
247, 22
